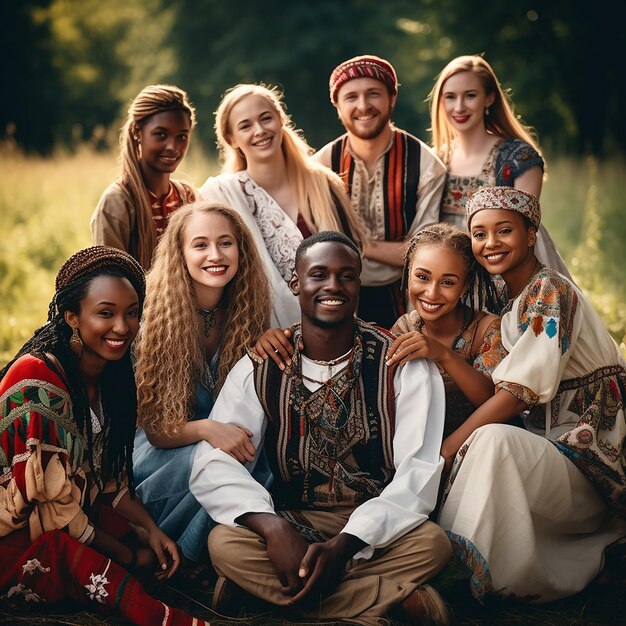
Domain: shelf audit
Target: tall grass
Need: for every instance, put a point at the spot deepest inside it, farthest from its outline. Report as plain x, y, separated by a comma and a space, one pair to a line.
46, 203
45, 206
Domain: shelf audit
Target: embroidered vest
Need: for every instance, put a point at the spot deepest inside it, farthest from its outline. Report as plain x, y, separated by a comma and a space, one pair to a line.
327, 451
400, 183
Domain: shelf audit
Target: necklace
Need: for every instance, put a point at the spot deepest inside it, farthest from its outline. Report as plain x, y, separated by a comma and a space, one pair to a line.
210, 318
332, 362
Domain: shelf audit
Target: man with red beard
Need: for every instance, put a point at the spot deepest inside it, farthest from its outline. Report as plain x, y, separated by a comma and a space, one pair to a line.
395, 181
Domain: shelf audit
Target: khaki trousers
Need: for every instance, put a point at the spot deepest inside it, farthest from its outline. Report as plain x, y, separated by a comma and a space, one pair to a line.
369, 588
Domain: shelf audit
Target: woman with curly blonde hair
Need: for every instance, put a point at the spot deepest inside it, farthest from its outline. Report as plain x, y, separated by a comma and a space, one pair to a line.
268, 178
207, 300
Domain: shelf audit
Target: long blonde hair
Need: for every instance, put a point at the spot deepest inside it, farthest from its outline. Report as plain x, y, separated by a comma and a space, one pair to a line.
501, 120
320, 192
149, 101
170, 356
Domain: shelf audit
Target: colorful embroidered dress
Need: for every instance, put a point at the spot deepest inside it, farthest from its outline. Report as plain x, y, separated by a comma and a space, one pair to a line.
48, 505
550, 499
506, 162
484, 358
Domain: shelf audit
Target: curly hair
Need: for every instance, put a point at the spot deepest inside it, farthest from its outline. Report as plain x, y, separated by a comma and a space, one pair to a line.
117, 382
481, 292
170, 359
322, 198
149, 101
501, 120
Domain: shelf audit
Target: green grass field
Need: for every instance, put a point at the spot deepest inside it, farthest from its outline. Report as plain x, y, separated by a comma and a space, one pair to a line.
45, 205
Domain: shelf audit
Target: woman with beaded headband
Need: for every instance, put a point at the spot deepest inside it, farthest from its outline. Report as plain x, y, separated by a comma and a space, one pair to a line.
448, 290
207, 299
551, 497
67, 422
281, 194
483, 143
134, 210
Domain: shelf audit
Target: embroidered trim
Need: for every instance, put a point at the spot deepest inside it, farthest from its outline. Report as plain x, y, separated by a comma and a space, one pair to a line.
464, 550
95, 589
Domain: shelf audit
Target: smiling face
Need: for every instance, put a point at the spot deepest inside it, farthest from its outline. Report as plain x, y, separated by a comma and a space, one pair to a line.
327, 282
364, 106
108, 320
501, 240
255, 128
164, 139
211, 253
464, 101
437, 281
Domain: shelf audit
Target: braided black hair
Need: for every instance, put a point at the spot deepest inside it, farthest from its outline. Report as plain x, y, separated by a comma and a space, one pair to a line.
481, 292
117, 382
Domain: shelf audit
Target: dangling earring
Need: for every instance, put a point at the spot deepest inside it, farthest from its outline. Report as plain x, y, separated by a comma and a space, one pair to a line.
487, 111
76, 343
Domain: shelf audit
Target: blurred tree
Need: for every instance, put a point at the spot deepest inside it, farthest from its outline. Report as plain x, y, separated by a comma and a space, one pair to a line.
74, 64
564, 61
295, 45
29, 107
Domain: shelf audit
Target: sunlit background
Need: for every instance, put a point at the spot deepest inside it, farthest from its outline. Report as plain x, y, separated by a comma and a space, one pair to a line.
71, 67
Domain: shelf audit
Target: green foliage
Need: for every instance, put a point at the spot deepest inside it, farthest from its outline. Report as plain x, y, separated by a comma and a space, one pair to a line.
74, 64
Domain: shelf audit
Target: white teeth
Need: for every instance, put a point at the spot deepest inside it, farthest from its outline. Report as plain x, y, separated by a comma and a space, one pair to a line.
113, 342
430, 307
364, 118
215, 270
263, 143
495, 257
332, 302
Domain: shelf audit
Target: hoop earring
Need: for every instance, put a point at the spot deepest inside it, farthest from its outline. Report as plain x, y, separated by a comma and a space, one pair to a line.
76, 343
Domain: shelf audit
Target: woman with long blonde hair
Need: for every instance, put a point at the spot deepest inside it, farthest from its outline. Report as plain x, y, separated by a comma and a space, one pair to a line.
207, 300
268, 178
134, 210
483, 143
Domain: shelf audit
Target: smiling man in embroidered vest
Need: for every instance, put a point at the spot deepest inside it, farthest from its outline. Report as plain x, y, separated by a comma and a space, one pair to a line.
394, 180
354, 449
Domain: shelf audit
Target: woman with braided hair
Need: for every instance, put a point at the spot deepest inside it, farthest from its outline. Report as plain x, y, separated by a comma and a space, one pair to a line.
531, 510
67, 422
448, 290
134, 210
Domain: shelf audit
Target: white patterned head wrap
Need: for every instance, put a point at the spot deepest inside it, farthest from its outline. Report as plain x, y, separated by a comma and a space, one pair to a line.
507, 198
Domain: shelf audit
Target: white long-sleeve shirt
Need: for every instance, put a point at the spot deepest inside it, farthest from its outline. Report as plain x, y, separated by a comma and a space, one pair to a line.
226, 489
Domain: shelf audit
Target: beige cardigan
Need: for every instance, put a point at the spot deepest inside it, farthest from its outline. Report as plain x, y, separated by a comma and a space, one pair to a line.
113, 222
